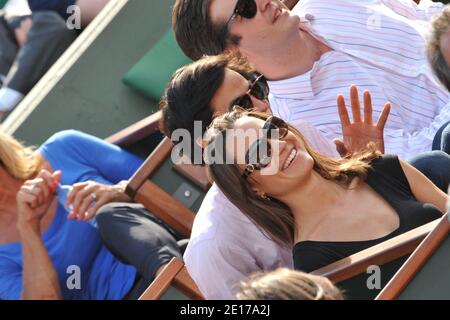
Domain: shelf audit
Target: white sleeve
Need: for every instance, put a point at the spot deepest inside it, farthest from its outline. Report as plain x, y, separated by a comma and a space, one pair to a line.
218, 271
9, 98
408, 8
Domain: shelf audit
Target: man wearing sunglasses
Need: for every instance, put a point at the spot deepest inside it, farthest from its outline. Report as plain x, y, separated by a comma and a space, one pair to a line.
314, 52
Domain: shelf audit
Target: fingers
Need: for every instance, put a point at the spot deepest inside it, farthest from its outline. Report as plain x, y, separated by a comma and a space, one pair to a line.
92, 210
384, 116
340, 147
356, 107
34, 193
82, 198
88, 202
342, 110
367, 107
77, 187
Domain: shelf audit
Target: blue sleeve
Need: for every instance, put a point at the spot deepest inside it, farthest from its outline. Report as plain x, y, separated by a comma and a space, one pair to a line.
59, 6
72, 149
10, 282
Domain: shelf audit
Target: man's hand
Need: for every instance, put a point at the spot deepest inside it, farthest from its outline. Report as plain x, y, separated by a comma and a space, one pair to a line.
35, 197
21, 32
362, 131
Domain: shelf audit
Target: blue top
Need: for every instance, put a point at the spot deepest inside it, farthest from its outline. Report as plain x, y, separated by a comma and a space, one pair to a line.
76, 246
60, 6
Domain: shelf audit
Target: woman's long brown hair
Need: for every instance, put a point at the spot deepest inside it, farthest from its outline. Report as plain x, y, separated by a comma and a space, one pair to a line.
274, 217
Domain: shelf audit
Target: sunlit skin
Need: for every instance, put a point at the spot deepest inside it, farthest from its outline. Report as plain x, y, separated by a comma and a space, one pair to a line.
271, 38
340, 215
233, 86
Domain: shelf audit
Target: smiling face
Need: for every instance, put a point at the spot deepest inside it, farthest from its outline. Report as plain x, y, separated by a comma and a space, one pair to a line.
289, 165
234, 86
271, 27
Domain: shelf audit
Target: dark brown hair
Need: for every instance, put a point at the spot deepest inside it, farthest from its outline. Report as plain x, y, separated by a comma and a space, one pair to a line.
273, 217
196, 34
188, 95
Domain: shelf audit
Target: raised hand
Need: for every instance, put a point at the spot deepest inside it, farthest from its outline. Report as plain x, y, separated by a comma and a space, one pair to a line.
360, 132
35, 196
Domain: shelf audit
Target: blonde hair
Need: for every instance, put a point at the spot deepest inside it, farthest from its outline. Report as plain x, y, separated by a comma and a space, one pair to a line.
440, 25
274, 217
285, 284
20, 161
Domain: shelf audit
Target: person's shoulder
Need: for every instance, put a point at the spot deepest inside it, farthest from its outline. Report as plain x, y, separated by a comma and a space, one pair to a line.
67, 136
386, 162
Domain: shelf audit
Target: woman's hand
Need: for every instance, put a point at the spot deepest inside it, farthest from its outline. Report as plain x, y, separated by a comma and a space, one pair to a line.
87, 197
35, 197
361, 132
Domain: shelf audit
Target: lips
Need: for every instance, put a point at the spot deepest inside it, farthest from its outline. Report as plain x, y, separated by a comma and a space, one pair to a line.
276, 14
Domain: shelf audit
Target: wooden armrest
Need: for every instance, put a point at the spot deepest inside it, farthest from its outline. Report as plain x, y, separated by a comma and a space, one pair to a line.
415, 262
166, 207
136, 131
380, 254
174, 273
153, 162
195, 173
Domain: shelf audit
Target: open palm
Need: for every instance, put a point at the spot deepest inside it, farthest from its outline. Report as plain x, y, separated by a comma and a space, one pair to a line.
361, 131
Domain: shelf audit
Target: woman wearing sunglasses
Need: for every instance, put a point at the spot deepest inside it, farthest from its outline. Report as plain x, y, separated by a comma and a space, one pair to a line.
325, 209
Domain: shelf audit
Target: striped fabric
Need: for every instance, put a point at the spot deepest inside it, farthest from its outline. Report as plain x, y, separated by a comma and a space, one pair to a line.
377, 45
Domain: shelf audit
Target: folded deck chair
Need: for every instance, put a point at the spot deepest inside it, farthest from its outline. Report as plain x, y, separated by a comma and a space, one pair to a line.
357, 274
171, 191
426, 273
84, 89
173, 283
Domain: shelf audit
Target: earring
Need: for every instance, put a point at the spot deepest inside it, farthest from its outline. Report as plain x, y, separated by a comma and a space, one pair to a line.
265, 197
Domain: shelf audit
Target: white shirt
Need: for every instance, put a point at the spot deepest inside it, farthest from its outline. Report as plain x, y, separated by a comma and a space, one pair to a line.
379, 46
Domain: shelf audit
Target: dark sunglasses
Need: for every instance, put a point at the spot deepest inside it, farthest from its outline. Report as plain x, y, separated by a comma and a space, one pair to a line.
259, 154
245, 9
258, 88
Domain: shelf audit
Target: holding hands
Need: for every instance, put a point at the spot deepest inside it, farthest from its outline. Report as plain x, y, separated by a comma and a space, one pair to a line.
362, 131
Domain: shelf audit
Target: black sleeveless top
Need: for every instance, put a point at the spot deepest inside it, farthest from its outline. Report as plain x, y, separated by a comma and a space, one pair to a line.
387, 179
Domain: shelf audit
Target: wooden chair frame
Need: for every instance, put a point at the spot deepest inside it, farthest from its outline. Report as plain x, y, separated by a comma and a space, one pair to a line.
416, 261
174, 273
380, 254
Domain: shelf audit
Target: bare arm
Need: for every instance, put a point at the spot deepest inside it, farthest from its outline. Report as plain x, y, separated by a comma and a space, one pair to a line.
423, 189
34, 199
40, 280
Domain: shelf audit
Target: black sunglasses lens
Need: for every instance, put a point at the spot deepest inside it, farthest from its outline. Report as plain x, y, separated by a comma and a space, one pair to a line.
245, 102
274, 123
260, 90
246, 8
259, 154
